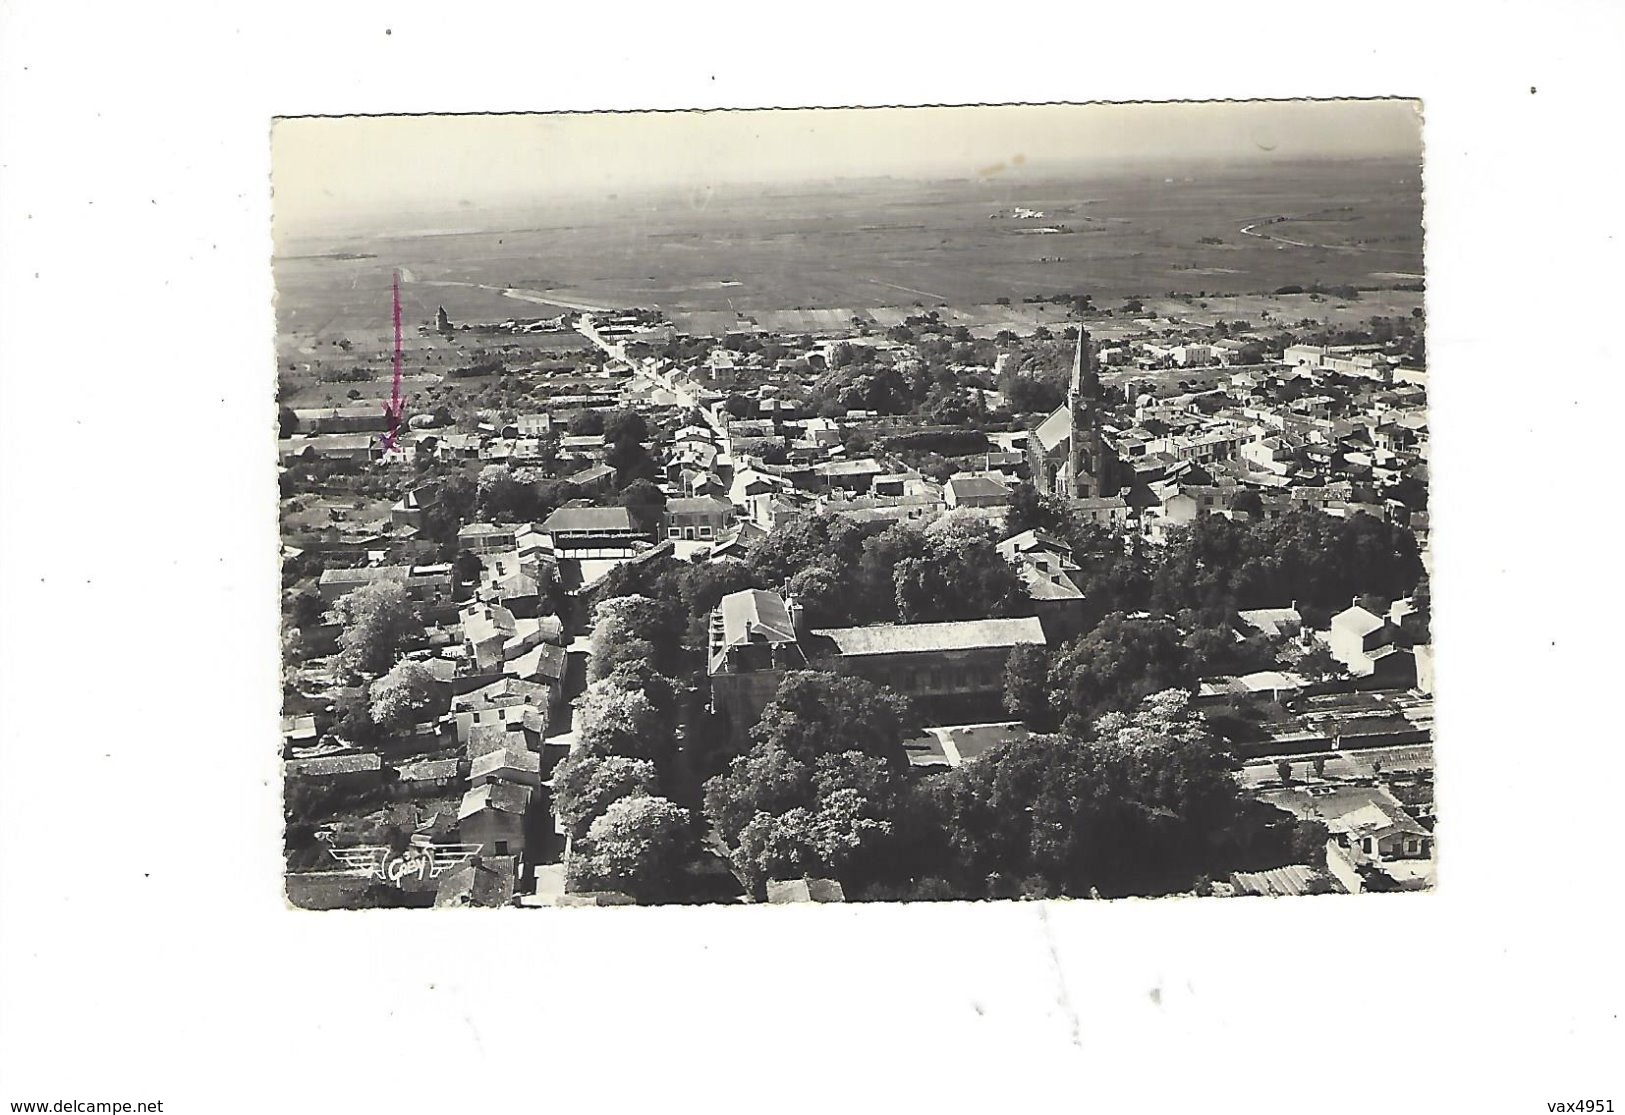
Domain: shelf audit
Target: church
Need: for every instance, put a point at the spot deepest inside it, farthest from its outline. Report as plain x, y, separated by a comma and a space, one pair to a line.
1069, 454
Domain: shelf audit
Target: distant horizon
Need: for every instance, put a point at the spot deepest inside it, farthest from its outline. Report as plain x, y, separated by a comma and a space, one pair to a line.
332, 174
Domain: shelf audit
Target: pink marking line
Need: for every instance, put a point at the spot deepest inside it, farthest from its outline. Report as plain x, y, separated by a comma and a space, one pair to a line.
395, 408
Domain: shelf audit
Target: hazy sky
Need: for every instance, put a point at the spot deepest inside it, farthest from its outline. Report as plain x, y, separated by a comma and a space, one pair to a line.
335, 168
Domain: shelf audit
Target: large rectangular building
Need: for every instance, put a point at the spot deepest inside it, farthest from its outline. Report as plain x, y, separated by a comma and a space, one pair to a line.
951, 670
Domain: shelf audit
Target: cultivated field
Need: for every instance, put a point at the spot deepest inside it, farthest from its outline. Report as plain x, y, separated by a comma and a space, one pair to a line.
809, 259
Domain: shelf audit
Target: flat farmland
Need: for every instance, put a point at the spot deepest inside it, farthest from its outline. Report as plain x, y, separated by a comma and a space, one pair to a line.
808, 258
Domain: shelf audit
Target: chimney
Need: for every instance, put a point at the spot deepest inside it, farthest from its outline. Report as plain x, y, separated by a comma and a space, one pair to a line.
793, 607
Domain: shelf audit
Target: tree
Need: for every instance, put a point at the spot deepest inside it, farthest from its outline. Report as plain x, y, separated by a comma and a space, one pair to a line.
588, 423
585, 785
1028, 510
353, 721
302, 607
766, 780
625, 425
377, 620
466, 567
1026, 686
631, 462
645, 502
1143, 809
825, 600
959, 574
287, 422
611, 720
1283, 768
1317, 664
401, 697
501, 496
1120, 661
637, 846
783, 819
630, 627
815, 713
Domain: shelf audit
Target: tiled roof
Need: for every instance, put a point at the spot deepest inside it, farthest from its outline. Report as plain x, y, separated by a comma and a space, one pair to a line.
755, 611
505, 797
427, 771
589, 519
333, 764
512, 758
906, 638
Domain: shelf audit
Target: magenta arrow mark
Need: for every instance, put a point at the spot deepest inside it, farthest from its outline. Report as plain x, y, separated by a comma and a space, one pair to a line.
395, 408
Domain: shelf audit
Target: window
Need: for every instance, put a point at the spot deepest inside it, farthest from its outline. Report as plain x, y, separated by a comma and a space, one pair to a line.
502, 847
1365, 845
674, 532
705, 532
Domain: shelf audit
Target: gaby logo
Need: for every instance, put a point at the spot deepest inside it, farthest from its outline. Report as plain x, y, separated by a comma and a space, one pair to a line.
420, 859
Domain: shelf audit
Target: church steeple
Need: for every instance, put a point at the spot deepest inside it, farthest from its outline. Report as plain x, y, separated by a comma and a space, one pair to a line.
1085, 380
1085, 462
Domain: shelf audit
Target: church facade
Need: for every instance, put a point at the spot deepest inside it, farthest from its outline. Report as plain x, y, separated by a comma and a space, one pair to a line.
1069, 454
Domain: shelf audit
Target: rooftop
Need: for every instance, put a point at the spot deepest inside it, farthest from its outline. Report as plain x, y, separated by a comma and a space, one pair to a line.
505, 797
911, 638
589, 519
755, 611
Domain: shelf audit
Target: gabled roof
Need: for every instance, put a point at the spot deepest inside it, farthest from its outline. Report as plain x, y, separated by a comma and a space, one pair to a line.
519, 758
864, 466
589, 475
697, 504
332, 765
804, 890
546, 660
427, 771
503, 691
482, 621
607, 519
482, 881
1270, 621
1054, 431
1358, 621
906, 638
755, 611
504, 797
965, 487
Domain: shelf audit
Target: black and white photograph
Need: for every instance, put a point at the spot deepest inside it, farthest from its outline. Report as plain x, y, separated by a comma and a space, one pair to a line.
744, 557
987, 503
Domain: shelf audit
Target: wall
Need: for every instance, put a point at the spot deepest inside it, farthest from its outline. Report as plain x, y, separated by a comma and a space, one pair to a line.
1341, 868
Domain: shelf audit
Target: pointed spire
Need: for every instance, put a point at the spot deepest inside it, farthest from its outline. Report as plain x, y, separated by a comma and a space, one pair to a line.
1085, 380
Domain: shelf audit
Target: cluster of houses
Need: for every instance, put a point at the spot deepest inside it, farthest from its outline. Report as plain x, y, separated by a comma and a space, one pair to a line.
1321, 431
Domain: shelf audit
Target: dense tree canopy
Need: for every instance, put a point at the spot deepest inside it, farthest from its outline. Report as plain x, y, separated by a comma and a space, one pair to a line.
784, 818
1224, 564
612, 720
1026, 686
401, 697
633, 628
1120, 661
585, 785
1127, 813
815, 713
957, 574
377, 620
638, 846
